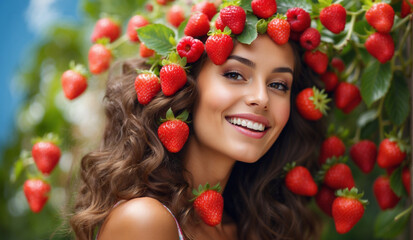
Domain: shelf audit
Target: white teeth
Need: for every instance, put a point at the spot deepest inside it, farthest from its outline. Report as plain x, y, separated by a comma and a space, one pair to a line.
247, 123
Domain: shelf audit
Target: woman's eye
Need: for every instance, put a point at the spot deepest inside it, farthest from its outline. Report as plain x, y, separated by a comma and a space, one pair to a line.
233, 75
279, 86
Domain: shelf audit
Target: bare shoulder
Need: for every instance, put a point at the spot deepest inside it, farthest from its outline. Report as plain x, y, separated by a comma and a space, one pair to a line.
139, 218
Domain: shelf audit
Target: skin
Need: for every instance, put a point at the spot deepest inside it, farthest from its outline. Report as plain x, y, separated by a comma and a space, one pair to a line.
250, 82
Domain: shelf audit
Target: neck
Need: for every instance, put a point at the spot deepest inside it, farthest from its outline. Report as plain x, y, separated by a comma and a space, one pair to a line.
206, 166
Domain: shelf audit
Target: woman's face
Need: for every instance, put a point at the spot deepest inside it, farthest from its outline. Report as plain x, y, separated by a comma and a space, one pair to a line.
244, 104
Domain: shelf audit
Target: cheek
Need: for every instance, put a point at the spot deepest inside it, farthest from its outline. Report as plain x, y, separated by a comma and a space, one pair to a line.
215, 98
281, 112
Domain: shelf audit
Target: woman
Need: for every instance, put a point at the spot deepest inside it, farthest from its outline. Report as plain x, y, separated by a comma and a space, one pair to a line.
134, 189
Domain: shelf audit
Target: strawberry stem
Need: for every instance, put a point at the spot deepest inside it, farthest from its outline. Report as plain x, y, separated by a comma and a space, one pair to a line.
402, 214
344, 42
118, 42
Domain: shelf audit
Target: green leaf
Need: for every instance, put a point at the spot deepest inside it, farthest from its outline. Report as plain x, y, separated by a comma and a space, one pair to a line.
375, 82
157, 37
284, 5
250, 30
396, 183
366, 117
181, 28
397, 101
246, 4
386, 226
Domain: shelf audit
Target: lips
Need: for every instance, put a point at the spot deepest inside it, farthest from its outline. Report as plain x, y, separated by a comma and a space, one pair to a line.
247, 123
254, 126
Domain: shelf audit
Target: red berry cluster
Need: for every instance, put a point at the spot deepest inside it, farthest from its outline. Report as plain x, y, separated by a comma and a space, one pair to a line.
217, 39
45, 154
336, 176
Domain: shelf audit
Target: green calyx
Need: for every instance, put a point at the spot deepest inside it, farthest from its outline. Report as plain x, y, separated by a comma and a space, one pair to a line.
403, 144
353, 193
324, 3
329, 163
79, 68
320, 100
48, 137
170, 116
174, 58
104, 41
227, 31
201, 189
140, 71
227, 3
262, 26
289, 166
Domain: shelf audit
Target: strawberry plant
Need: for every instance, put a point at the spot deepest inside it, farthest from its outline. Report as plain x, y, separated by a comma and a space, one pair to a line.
360, 51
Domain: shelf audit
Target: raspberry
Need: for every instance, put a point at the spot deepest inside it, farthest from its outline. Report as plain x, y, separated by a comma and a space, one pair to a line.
190, 48
310, 39
299, 19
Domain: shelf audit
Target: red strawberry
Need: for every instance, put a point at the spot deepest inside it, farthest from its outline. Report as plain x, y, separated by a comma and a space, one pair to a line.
364, 155
147, 85
190, 48
298, 18
198, 25
209, 204
264, 8
390, 153
347, 97
36, 192
406, 8
347, 209
325, 198
99, 58
299, 180
106, 28
46, 155
206, 7
318, 61
234, 17
149, 7
406, 179
310, 38
330, 81
162, 2
279, 30
173, 77
219, 24
333, 18
385, 196
218, 47
381, 17
312, 103
338, 64
380, 46
175, 15
134, 23
173, 132
338, 176
144, 51
74, 81
331, 147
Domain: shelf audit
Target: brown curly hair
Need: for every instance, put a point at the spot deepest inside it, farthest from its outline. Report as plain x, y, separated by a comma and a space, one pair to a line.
132, 162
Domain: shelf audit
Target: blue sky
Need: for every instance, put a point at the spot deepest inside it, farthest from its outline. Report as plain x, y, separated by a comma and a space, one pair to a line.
23, 23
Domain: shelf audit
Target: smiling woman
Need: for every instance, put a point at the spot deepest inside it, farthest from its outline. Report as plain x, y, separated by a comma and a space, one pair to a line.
243, 130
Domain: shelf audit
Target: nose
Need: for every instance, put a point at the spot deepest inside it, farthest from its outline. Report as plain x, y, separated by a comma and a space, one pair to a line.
257, 95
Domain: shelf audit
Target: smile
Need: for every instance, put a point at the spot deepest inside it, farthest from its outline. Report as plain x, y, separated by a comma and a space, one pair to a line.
247, 124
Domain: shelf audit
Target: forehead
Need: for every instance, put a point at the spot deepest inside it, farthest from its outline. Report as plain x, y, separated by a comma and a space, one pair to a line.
265, 52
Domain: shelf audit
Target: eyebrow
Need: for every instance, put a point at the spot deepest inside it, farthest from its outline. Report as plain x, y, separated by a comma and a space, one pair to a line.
251, 64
